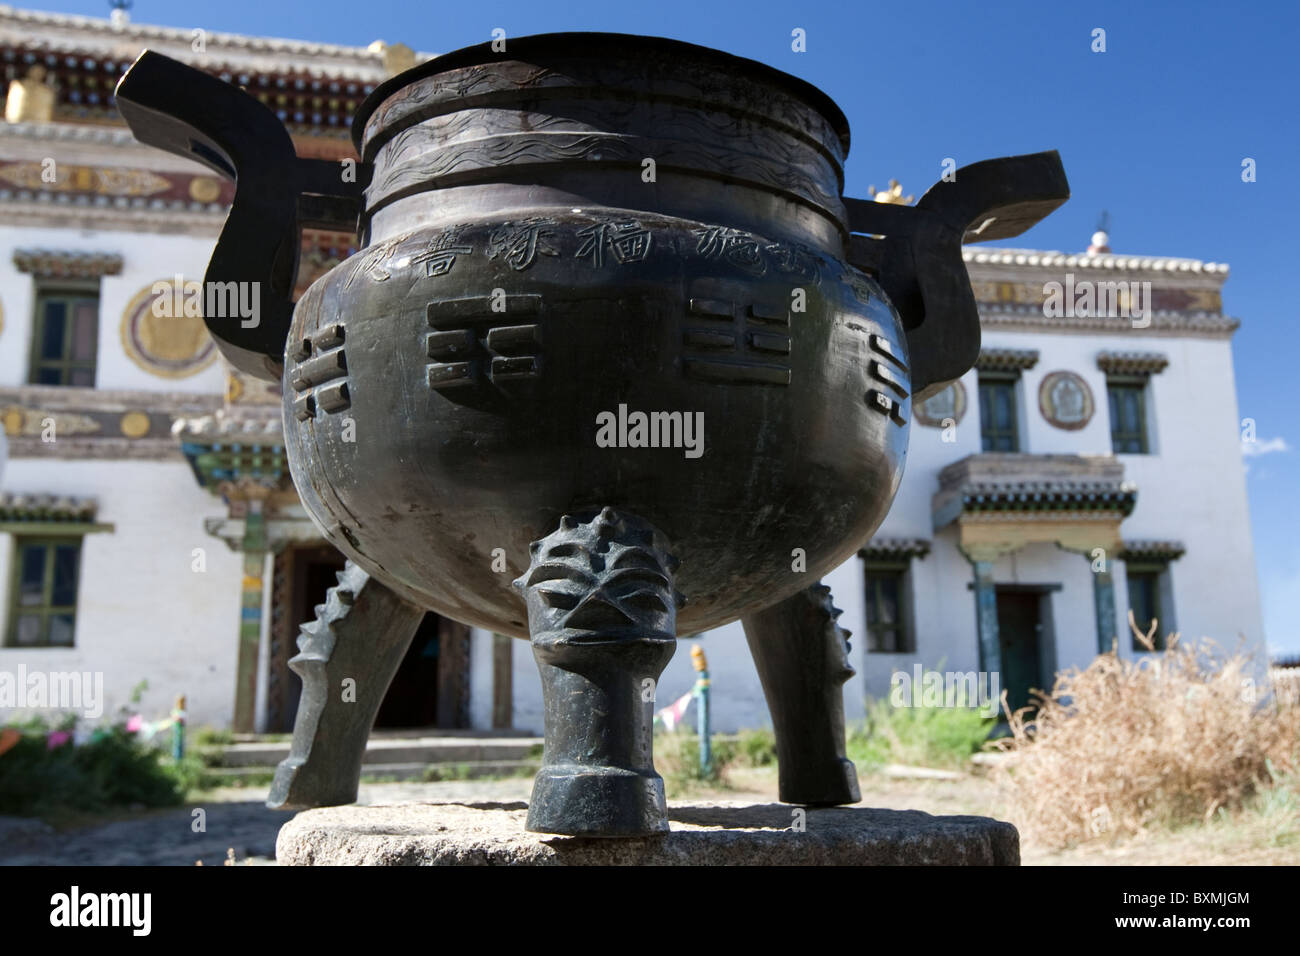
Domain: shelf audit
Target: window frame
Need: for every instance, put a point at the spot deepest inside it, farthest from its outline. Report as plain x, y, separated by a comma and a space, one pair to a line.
46, 610
905, 642
1158, 572
1139, 386
1010, 381
71, 292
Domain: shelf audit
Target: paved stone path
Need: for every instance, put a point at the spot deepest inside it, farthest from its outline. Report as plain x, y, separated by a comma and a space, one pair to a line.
235, 819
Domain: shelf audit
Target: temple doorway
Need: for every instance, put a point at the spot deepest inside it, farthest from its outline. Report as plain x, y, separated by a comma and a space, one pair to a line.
431, 687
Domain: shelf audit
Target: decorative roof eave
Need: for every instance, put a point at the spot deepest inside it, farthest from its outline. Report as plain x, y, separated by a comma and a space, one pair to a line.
894, 549
1152, 551
1039, 259
52, 263
1182, 324
1006, 360
48, 515
1132, 363
1073, 496
46, 508
100, 33
224, 449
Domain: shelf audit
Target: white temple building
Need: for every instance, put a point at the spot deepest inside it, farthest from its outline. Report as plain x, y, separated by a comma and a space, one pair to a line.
1089, 464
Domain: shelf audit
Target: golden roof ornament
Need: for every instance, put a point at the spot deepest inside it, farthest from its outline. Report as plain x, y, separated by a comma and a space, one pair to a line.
398, 57
894, 194
30, 100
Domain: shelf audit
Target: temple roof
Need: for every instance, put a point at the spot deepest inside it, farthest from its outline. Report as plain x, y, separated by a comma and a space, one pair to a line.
315, 88
1037, 258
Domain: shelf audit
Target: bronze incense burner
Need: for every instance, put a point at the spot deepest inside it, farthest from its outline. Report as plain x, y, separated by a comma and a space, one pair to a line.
614, 321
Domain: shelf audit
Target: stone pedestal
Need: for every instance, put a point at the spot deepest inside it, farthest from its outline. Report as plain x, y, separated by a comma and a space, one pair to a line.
482, 834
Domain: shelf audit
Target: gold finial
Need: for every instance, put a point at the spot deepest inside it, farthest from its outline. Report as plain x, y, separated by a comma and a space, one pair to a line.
30, 100
894, 194
698, 659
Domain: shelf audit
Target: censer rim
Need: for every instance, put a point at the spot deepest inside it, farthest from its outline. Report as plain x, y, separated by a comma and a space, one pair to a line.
556, 43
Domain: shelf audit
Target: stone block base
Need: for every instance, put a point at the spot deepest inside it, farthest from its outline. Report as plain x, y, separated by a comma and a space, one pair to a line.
493, 834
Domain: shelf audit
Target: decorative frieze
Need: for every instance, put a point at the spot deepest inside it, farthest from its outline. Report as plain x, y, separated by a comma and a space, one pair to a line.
44, 421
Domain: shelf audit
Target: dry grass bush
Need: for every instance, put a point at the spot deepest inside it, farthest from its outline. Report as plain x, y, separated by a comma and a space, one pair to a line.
1126, 745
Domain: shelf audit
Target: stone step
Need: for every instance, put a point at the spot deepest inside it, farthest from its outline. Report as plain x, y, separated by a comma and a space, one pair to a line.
396, 750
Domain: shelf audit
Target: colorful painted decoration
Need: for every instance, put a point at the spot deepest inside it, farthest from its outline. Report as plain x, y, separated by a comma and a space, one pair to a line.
169, 346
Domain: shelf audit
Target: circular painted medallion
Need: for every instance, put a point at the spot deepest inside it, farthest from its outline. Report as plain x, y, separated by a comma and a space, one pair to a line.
169, 346
1065, 400
942, 408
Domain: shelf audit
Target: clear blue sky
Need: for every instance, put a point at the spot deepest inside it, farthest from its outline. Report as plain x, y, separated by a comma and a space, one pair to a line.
1153, 130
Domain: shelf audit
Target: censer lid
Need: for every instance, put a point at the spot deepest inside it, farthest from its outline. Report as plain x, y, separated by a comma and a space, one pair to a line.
597, 47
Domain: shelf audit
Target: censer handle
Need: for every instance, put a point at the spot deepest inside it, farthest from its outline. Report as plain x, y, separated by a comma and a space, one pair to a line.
915, 253
192, 114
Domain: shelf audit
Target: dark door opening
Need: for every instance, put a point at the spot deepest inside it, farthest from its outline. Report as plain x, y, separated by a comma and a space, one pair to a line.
1020, 629
300, 578
431, 686
412, 698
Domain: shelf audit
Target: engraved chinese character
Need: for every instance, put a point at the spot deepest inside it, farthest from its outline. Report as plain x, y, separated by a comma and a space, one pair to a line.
737, 247
521, 242
626, 239
793, 258
442, 252
371, 263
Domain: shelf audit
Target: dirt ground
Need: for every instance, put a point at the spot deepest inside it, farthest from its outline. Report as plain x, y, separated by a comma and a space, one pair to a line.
1247, 839
236, 819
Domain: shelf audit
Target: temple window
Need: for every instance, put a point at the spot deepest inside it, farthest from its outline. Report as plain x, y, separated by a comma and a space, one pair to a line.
1150, 588
43, 596
1128, 416
65, 335
888, 591
1128, 391
999, 412
999, 385
65, 327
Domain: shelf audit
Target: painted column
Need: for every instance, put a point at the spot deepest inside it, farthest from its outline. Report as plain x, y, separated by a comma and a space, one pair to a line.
986, 610
250, 617
1103, 600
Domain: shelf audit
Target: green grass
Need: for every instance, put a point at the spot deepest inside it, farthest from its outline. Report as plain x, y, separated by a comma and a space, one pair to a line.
677, 758
942, 737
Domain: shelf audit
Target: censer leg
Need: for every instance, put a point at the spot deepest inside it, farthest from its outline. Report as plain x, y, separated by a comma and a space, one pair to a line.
360, 635
602, 613
802, 660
